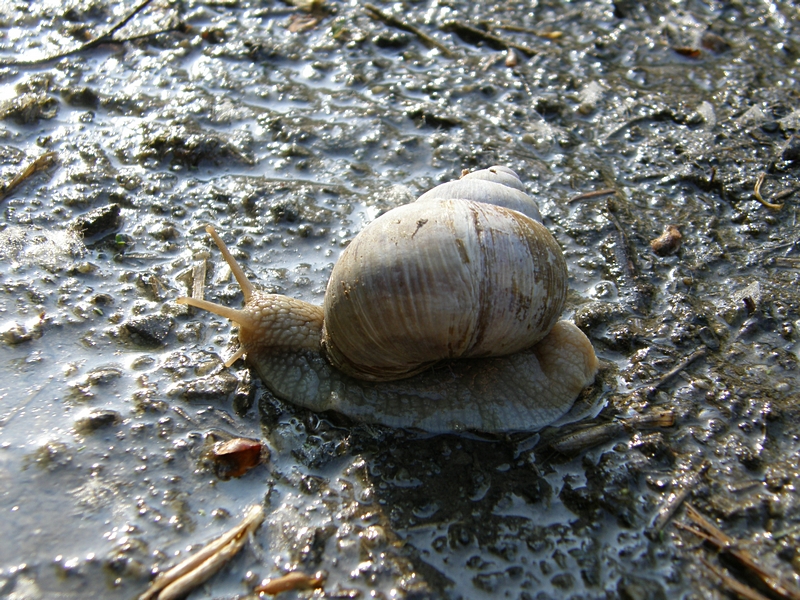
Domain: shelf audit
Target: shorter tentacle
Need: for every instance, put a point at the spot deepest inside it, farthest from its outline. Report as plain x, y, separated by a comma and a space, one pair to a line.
237, 316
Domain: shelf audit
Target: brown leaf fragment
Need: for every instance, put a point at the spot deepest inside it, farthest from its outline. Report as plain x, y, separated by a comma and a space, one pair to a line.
291, 581
668, 242
235, 457
688, 51
43, 161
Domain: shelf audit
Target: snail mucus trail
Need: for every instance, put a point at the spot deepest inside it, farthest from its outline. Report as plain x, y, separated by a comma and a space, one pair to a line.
441, 315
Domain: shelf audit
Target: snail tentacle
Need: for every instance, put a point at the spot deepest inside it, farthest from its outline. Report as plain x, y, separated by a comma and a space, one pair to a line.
232, 314
238, 272
267, 320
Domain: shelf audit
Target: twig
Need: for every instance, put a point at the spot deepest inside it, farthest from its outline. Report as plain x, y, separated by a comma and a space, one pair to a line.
550, 35
591, 195
677, 369
41, 162
788, 262
466, 31
392, 21
674, 501
729, 546
757, 193
122, 23
580, 440
106, 38
625, 261
653, 116
732, 584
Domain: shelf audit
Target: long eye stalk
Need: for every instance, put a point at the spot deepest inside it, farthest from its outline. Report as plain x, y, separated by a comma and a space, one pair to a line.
239, 317
244, 283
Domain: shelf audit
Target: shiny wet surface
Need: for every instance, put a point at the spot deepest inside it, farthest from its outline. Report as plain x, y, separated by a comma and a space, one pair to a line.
289, 130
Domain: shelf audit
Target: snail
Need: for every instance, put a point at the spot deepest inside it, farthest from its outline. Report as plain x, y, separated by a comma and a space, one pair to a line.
440, 315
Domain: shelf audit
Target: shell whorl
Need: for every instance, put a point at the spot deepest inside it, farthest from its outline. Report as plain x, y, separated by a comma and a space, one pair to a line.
496, 185
443, 278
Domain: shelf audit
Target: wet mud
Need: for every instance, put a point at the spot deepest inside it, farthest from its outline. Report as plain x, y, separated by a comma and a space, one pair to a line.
125, 130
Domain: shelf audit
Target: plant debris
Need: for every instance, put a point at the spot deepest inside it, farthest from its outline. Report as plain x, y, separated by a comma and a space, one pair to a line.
291, 581
41, 162
399, 23
668, 242
192, 572
731, 548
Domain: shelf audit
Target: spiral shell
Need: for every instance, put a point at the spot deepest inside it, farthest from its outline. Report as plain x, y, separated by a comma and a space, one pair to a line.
441, 279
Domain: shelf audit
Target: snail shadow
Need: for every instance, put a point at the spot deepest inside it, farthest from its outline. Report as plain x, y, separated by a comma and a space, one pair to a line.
463, 508
455, 500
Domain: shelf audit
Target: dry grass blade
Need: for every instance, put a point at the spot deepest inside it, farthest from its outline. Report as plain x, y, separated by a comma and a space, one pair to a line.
590, 195
184, 577
757, 193
39, 163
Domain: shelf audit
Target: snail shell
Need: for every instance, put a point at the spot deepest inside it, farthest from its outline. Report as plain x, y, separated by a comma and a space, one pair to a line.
441, 314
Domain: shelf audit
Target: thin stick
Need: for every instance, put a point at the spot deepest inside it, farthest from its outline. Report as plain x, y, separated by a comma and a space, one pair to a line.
107, 35
594, 194
551, 35
732, 584
41, 162
106, 38
757, 193
625, 261
674, 501
582, 439
785, 193
677, 369
728, 545
461, 28
789, 262
392, 21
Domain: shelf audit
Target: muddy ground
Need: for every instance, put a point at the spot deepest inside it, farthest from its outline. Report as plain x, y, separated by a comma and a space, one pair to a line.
291, 126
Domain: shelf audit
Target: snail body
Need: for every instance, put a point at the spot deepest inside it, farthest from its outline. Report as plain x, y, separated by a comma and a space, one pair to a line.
441, 314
